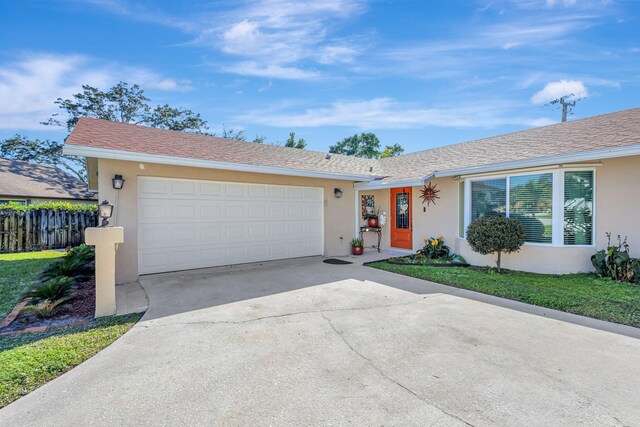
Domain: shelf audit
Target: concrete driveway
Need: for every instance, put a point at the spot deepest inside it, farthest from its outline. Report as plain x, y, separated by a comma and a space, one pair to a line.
306, 343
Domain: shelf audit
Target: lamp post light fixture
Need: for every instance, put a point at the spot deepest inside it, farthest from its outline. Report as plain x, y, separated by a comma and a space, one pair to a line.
118, 182
105, 209
337, 192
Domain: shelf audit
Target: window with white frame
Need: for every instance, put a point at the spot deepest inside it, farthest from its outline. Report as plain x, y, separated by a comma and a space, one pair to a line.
555, 207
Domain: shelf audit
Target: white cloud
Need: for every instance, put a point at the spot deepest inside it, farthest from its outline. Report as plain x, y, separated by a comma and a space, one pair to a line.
555, 90
552, 3
386, 113
272, 71
280, 37
29, 87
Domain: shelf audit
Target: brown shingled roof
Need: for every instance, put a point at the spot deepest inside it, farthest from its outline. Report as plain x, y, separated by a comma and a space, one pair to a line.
141, 139
27, 180
613, 130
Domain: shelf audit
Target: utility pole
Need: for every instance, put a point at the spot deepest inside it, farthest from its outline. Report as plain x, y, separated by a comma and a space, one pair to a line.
566, 105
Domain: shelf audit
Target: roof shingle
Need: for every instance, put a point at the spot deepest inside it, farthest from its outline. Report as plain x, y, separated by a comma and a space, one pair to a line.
611, 130
25, 179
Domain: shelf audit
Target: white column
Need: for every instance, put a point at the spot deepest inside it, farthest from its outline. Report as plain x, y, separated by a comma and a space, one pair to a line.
105, 240
356, 223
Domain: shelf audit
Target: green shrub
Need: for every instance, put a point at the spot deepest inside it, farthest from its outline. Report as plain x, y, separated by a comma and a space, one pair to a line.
64, 206
615, 262
357, 243
495, 234
434, 248
83, 253
78, 264
60, 287
46, 308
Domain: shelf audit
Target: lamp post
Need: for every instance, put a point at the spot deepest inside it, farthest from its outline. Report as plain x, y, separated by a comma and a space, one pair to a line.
105, 210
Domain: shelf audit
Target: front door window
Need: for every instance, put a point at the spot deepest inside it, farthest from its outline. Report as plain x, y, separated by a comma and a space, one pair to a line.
402, 210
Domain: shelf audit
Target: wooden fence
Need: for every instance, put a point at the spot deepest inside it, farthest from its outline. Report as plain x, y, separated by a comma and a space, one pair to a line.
41, 229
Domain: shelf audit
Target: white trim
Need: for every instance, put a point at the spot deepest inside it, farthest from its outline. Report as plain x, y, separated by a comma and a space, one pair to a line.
378, 184
102, 153
583, 156
356, 223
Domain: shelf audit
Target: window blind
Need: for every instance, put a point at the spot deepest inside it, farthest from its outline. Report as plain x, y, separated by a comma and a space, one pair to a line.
530, 202
578, 208
488, 198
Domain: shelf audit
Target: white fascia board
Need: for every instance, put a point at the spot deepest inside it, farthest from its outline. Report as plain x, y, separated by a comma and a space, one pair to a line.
379, 185
102, 153
584, 156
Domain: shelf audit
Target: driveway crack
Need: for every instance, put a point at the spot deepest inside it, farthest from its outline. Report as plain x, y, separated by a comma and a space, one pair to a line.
283, 315
384, 374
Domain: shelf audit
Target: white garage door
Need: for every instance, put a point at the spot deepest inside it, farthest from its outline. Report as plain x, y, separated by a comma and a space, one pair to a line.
184, 224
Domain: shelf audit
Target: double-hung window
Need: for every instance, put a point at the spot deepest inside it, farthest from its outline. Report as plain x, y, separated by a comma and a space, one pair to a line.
555, 207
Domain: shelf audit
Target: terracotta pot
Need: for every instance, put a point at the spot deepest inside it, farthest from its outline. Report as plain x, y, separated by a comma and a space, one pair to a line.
372, 222
357, 250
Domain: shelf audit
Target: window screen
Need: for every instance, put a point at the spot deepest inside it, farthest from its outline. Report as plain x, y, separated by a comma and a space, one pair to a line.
530, 200
488, 198
578, 208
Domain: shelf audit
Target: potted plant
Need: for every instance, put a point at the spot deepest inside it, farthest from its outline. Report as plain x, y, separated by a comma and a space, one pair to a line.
372, 219
357, 246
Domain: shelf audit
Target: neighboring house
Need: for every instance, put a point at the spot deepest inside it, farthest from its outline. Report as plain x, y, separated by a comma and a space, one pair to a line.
193, 201
27, 183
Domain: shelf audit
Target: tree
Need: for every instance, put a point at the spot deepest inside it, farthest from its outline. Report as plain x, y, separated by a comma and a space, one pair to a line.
365, 145
260, 139
46, 151
391, 151
292, 143
233, 133
124, 103
121, 103
495, 234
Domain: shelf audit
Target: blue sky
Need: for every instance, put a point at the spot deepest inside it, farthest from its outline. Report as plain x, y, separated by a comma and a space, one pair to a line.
418, 73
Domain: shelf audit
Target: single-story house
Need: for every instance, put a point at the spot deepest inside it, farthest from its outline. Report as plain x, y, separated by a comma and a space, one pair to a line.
26, 183
192, 201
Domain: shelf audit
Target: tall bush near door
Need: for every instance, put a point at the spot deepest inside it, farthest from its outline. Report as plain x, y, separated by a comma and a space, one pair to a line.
496, 234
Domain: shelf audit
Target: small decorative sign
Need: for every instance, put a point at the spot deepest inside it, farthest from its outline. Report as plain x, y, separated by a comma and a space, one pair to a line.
429, 193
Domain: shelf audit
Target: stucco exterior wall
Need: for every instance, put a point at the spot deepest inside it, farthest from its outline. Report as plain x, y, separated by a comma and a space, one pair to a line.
338, 213
439, 219
381, 199
617, 208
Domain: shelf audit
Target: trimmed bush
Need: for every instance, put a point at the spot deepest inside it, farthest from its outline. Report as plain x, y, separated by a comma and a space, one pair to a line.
55, 206
495, 234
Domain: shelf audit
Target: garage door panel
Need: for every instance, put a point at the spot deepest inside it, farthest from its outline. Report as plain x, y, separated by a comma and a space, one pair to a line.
235, 190
187, 224
184, 188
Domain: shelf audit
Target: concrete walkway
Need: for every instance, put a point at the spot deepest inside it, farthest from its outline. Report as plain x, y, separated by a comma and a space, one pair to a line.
301, 342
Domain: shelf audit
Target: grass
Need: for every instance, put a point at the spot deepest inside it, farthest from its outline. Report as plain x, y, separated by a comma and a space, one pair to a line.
27, 361
582, 294
17, 272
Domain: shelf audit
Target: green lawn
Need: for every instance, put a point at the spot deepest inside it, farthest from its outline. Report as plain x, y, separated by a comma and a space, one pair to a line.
29, 360
17, 271
582, 294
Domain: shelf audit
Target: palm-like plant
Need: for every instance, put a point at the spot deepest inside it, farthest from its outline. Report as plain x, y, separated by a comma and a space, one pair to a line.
54, 289
46, 308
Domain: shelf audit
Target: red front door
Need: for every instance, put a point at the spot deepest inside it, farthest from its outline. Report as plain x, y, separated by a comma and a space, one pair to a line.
401, 235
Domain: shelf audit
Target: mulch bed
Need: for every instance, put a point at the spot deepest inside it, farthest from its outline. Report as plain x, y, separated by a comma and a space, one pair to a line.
81, 308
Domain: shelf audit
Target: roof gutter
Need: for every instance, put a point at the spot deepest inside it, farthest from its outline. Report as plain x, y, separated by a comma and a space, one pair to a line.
378, 184
584, 156
103, 153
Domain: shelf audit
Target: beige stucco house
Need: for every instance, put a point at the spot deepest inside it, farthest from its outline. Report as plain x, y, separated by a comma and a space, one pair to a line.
193, 201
